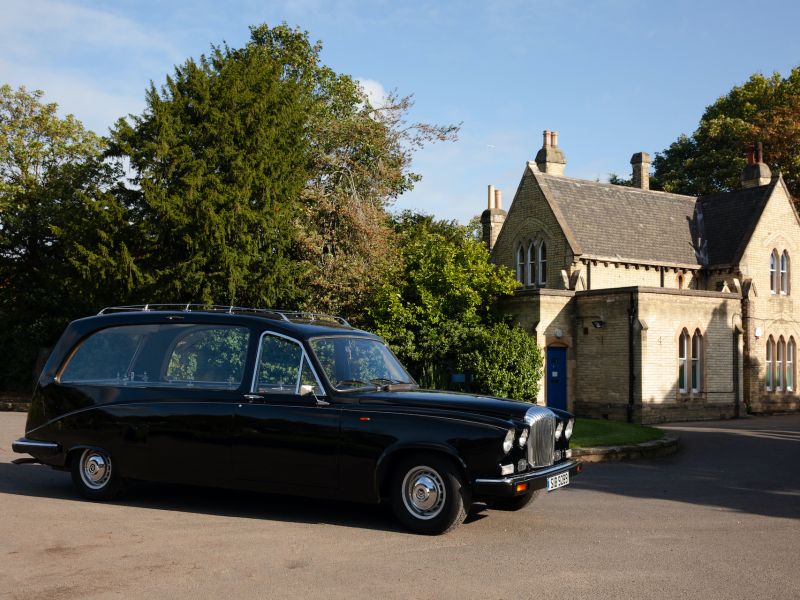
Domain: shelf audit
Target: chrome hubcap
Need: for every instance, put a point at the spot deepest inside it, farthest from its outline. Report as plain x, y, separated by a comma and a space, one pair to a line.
95, 469
423, 492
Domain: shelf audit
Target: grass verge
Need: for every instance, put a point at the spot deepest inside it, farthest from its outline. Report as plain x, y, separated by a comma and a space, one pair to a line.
599, 432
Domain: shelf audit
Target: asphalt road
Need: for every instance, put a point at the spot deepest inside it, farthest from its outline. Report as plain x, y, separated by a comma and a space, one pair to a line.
721, 519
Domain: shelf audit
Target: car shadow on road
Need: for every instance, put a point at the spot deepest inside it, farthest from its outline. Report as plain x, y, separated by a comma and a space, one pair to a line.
739, 466
41, 481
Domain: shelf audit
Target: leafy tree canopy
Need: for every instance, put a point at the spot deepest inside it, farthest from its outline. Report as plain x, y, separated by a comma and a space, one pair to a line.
765, 109
220, 156
435, 311
64, 235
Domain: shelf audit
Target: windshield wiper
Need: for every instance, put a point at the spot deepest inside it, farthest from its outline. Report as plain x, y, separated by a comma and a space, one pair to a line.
388, 384
353, 382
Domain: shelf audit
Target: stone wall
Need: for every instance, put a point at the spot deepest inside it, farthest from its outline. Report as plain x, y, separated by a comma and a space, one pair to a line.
548, 316
771, 314
663, 315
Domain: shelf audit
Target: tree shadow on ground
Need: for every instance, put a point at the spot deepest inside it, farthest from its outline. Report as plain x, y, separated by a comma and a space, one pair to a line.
749, 466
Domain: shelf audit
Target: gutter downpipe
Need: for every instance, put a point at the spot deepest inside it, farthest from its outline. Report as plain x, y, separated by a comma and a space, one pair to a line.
632, 310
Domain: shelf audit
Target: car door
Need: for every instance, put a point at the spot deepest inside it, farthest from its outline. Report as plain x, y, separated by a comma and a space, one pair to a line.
285, 439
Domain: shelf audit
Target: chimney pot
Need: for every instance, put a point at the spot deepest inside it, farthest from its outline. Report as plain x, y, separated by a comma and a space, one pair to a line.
759, 153
498, 199
554, 139
546, 141
491, 197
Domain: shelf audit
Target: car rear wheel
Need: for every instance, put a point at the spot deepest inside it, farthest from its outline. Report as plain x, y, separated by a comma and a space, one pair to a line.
94, 475
517, 502
428, 494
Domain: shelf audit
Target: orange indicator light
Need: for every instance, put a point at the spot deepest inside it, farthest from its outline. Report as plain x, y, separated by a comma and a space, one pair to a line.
521, 487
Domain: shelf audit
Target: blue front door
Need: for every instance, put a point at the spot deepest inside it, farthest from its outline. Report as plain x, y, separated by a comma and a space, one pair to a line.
556, 377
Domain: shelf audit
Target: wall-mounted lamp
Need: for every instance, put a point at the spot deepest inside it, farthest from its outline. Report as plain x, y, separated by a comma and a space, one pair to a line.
598, 324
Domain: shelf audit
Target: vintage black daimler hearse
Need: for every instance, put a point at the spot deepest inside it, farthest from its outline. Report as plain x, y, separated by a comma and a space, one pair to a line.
284, 402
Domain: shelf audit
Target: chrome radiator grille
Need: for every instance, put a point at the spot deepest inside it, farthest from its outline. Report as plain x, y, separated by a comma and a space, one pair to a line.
541, 441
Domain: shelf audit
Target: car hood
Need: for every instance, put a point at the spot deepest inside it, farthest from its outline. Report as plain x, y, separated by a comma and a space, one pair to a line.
487, 405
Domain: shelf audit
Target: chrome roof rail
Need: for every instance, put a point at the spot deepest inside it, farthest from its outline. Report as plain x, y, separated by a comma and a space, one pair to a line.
284, 315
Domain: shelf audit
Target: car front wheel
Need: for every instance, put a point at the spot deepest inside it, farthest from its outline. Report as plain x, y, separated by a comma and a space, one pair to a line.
94, 475
429, 495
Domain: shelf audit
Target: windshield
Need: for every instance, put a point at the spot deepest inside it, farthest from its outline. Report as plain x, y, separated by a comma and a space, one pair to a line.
351, 363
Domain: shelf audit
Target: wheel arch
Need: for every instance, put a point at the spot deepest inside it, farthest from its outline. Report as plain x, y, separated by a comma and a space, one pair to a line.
393, 454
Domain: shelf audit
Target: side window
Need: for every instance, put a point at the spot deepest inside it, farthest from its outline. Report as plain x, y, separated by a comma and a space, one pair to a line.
106, 357
279, 365
209, 357
161, 355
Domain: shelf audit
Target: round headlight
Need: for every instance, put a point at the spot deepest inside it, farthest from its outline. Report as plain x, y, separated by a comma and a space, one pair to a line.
523, 438
568, 430
559, 429
508, 443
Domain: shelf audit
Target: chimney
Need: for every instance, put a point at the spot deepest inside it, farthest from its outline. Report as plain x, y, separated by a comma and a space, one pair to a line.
492, 218
550, 159
756, 172
641, 170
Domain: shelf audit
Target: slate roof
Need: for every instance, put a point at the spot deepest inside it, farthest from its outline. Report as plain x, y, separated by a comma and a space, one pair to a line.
603, 220
619, 222
729, 220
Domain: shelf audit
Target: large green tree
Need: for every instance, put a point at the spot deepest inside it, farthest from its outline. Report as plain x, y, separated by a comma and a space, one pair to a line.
765, 109
64, 234
219, 159
437, 312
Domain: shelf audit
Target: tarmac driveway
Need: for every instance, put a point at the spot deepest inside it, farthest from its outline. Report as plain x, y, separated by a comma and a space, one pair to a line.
721, 519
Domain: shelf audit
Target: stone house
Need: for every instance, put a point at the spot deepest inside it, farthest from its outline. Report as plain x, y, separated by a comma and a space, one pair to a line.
651, 306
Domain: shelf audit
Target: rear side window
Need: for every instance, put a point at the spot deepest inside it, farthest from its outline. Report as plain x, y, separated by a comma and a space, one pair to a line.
165, 355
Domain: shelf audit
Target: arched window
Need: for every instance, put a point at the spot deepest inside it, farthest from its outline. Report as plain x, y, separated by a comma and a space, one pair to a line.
542, 264
773, 272
769, 362
785, 272
531, 264
521, 264
780, 364
790, 372
683, 353
697, 345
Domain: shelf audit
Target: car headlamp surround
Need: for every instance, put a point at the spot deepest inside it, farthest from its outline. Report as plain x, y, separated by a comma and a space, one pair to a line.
508, 442
523, 437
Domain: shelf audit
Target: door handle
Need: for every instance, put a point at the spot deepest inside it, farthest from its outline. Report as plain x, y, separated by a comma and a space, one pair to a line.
252, 397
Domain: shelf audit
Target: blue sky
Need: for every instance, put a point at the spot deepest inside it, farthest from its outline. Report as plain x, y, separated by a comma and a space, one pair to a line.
613, 77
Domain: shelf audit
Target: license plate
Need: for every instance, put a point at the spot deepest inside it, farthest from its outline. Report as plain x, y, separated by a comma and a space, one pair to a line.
557, 481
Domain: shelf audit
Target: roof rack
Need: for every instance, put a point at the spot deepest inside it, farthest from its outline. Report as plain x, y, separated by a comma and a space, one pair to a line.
271, 313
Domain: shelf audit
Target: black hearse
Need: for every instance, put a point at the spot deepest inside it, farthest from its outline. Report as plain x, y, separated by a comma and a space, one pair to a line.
283, 402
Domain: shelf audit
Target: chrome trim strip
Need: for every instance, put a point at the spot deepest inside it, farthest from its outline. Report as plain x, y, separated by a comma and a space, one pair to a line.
554, 470
22, 443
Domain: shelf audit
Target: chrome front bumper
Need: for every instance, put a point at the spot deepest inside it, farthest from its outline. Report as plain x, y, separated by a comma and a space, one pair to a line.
536, 480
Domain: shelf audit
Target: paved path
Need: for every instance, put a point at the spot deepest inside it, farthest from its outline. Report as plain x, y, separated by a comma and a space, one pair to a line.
720, 519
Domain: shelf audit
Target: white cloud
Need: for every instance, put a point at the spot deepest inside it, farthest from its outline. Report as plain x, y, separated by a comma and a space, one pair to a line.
376, 94
32, 28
